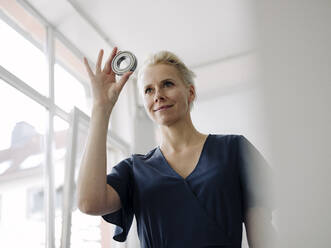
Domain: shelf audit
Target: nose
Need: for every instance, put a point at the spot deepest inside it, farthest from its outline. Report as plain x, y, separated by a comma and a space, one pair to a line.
158, 95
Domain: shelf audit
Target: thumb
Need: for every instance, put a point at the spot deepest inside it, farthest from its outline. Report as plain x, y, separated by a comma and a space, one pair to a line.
124, 79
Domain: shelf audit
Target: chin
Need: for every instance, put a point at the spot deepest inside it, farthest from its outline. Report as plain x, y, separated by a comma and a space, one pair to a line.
165, 121
169, 119
168, 124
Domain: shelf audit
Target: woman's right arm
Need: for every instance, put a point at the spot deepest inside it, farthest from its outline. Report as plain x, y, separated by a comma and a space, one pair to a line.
95, 196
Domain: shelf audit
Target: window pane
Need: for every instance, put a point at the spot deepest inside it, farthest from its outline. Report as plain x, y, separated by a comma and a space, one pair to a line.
88, 230
24, 59
69, 75
69, 92
85, 229
21, 169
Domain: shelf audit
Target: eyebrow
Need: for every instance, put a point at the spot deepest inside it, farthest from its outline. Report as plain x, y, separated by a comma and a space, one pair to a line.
146, 86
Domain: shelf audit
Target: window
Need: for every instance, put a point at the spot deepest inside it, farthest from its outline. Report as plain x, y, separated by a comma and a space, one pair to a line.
23, 129
69, 73
22, 53
35, 203
86, 229
22, 155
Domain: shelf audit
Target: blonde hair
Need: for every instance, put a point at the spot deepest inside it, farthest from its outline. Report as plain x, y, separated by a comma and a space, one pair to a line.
169, 58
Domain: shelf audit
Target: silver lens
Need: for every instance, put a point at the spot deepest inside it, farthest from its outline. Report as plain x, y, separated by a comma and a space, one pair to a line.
123, 62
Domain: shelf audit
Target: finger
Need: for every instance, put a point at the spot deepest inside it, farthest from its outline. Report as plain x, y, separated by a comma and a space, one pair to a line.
124, 79
112, 73
88, 69
107, 68
98, 65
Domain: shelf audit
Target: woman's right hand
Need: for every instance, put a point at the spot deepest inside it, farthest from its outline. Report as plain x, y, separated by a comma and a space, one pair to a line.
105, 89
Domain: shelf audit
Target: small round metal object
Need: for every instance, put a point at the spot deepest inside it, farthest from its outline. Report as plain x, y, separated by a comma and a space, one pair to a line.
123, 62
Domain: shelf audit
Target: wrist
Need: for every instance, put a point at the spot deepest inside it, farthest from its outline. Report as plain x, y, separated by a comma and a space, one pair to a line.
101, 109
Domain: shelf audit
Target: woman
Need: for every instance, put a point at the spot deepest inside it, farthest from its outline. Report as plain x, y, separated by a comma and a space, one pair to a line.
194, 189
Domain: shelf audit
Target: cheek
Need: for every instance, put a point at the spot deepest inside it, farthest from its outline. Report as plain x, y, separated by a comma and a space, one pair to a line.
183, 97
147, 103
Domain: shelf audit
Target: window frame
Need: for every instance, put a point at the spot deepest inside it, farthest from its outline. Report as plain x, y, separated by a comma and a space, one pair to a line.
75, 117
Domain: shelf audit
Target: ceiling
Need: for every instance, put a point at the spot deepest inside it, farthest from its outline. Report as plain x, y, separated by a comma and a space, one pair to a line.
215, 38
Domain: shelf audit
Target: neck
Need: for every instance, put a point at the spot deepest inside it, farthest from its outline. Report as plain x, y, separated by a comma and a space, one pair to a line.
180, 136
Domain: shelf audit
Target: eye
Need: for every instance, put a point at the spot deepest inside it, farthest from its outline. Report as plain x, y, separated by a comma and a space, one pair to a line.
147, 90
168, 83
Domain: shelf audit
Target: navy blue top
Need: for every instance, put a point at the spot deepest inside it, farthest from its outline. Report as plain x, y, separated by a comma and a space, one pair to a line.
205, 209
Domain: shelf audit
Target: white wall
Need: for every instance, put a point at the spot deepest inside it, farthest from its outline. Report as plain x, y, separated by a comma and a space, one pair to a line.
239, 111
295, 38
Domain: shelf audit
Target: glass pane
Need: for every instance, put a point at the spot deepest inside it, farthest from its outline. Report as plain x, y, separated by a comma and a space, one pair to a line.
24, 59
69, 92
69, 75
85, 229
21, 169
61, 140
88, 230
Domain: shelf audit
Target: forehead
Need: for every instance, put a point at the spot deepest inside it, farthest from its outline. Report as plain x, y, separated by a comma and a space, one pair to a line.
157, 73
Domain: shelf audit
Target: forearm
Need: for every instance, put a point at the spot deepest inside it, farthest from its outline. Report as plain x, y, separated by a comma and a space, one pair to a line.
91, 185
266, 238
259, 230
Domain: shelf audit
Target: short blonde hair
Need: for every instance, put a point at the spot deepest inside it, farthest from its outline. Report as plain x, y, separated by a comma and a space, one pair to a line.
168, 58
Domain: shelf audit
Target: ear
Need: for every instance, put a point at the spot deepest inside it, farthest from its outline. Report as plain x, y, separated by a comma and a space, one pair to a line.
191, 92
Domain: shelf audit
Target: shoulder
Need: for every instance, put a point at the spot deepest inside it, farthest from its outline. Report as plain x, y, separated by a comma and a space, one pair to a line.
134, 156
219, 144
133, 160
144, 157
228, 139
124, 164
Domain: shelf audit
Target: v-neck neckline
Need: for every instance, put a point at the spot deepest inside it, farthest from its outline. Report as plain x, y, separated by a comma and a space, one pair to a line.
196, 166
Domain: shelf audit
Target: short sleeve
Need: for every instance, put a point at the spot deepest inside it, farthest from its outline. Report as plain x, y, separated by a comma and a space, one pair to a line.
256, 176
120, 178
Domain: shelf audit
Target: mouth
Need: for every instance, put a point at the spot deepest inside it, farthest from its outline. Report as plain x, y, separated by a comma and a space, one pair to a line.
163, 108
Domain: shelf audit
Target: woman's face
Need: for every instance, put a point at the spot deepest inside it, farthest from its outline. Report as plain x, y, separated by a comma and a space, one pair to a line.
163, 87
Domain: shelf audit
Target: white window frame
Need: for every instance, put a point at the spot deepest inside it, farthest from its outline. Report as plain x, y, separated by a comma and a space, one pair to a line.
79, 123
76, 118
